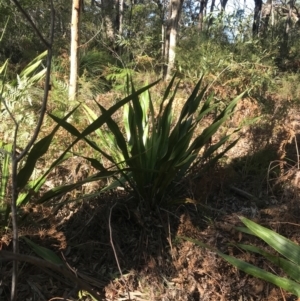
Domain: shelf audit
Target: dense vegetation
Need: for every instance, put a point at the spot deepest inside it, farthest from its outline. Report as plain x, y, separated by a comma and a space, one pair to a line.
177, 105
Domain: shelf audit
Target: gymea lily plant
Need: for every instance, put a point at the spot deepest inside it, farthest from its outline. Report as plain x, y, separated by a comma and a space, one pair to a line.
158, 150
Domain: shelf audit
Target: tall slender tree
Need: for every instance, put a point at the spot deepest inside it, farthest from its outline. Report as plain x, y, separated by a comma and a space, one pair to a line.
110, 10
121, 16
74, 46
202, 13
223, 4
265, 16
172, 25
256, 17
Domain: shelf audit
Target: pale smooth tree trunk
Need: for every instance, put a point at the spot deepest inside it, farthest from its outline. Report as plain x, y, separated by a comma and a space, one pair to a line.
121, 15
202, 14
172, 23
74, 53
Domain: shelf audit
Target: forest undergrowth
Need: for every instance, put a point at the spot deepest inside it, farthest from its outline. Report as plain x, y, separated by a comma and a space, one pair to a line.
137, 187
126, 254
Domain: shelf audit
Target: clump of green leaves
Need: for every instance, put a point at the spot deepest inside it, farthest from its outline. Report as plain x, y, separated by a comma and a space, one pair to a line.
19, 97
233, 67
15, 97
117, 76
288, 258
158, 150
29, 187
92, 67
289, 262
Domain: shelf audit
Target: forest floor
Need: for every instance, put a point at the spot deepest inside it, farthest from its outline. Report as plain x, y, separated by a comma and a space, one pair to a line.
127, 255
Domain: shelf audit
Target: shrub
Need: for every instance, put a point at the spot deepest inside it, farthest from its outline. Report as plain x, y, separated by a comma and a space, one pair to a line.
159, 151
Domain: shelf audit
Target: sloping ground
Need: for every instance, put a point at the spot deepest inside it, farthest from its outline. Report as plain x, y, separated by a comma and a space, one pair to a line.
156, 263
126, 254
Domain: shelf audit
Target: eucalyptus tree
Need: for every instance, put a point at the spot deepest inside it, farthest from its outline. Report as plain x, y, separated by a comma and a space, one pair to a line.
256, 17
223, 4
172, 26
74, 47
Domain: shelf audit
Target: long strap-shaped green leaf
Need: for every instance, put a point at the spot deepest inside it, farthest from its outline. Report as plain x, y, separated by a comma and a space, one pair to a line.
290, 268
5, 152
102, 119
37, 151
281, 244
286, 284
43, 252
61, 190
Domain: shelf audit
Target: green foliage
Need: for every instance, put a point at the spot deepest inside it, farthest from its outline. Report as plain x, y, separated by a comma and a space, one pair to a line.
144, 32
45, 253
106, 139
59, 91
29, 187
232, 67
96, 124
19, 97
117, 76
5, 157
20, 43
289, 262
158, 150
288, 86
92, 66
13, 95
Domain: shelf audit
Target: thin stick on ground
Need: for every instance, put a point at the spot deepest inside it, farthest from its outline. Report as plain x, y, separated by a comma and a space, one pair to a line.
114, 250
297, 151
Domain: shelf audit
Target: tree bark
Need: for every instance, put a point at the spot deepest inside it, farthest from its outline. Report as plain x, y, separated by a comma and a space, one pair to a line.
289, 17
75, 40
265, 16
256, 18
121, 15
111, 20
172, 23
202, 13
223, 4
211, 18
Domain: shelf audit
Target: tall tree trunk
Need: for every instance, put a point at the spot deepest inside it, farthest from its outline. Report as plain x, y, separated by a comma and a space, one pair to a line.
284, 49
110, 19
75, 40
202, 13
121, 15
223, 4
211, 19
256, 18
289, 17
265, 16
175, 8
